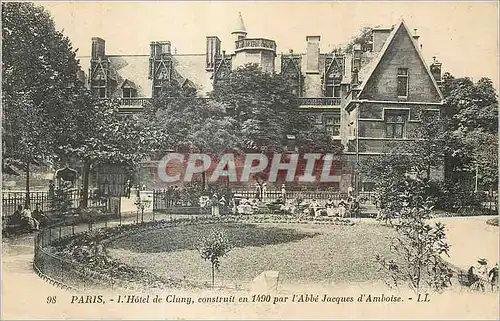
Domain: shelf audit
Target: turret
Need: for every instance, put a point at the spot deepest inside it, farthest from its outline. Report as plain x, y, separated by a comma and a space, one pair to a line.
239, 32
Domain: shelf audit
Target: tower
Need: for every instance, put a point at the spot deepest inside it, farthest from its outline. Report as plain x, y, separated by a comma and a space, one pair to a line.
239, 32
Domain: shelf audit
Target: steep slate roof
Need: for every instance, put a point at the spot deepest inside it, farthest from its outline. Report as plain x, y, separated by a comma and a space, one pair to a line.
135, 69
370, 68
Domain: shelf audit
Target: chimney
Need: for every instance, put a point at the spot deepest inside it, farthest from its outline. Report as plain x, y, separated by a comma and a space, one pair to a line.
380, 36
312, 55
354, 78
98, 48
161, 47
436, 70
415, 35
357, 52
213, 50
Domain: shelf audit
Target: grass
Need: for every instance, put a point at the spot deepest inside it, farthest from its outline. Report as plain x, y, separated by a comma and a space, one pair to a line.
331, 254
183, 237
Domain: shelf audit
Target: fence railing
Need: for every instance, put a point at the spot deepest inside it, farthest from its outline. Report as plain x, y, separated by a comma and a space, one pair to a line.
171, 202
47, 201
69, 274
319, 101
57, 270
73, 275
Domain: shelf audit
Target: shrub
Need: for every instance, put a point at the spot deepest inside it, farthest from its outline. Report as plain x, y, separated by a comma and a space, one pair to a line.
418, 246
213, 247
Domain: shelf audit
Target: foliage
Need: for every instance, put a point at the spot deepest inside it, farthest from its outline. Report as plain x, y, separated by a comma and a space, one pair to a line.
60, 201
94, 132
472, 116
363, 38
266, 111
178, 121
464, 141
90, 215
38, 68
212, 247
49, 114
417, 247
451, 196
471, 105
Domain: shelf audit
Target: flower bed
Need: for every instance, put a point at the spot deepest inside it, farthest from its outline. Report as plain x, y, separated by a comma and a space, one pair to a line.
89, 249
290, 219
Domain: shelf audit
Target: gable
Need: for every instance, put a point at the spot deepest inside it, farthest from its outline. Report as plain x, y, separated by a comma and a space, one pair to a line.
400, 52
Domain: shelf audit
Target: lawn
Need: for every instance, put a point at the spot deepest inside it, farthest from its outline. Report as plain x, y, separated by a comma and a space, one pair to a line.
302, 253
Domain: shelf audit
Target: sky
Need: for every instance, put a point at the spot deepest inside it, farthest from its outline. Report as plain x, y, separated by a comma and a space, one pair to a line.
462, 35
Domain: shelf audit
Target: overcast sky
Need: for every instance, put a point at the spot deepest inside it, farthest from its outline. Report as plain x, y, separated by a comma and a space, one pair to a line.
463, 35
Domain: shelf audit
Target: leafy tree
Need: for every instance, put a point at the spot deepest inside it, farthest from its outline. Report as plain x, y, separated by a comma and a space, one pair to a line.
178, 121
363, 38
39, 70
464, 140
212, 247
95, 132
472, 115
266, 111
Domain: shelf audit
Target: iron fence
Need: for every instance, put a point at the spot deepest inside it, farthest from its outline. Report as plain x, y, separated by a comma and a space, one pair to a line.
48, 202
69, 274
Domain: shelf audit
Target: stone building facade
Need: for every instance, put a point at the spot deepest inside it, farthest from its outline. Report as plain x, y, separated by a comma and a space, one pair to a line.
364, 97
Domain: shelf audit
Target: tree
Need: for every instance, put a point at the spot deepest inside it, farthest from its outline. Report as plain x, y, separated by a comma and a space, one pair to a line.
472, 115
212, 247
95, 132
266, 111
39, 70
185, 123
363, 38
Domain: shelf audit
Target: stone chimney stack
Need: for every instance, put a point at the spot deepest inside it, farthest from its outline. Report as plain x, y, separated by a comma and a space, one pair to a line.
312, 54
213, 50
98, 48
380, 36
415, 35
436, 70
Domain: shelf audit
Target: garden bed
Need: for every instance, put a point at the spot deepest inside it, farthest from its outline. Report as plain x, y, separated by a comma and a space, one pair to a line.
319, 238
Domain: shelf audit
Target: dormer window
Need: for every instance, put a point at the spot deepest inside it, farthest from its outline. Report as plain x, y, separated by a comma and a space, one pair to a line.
402, 82
128, 89
333, 85
128, 93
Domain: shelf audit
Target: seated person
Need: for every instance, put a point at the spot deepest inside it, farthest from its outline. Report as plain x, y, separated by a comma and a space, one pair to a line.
27, 215
16, 218
39, 215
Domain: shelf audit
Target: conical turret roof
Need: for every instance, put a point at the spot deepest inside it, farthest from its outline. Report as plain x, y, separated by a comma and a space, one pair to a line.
239, 26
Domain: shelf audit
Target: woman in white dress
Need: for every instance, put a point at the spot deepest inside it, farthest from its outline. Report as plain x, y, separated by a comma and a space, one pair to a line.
329, 207
342, 208
215, 205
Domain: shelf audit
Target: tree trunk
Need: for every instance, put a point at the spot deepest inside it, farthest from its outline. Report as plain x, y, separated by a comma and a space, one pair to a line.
85, 190
428, 171
213, 275
203, 181
27, 200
